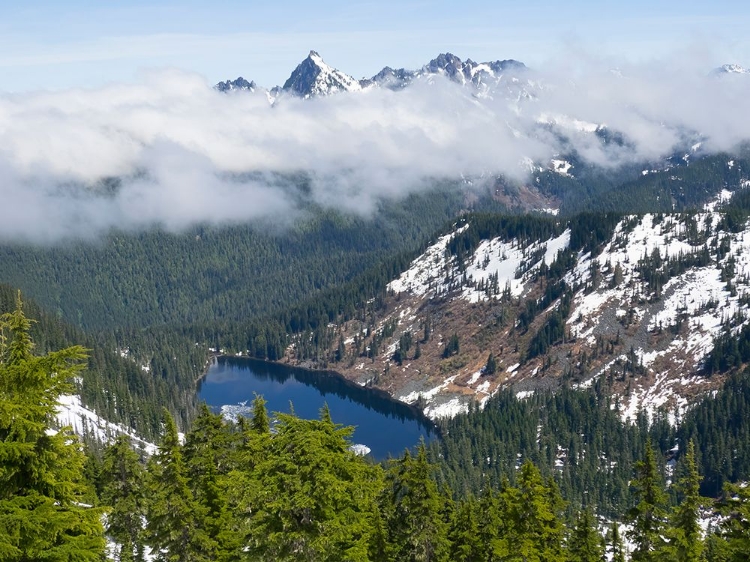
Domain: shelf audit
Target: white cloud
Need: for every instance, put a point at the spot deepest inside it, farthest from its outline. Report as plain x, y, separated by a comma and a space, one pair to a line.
179, 146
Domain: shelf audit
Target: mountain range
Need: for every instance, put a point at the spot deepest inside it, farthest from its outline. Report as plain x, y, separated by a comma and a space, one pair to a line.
313, 77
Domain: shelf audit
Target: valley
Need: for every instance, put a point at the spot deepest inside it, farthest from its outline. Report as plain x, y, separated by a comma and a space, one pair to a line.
450, 313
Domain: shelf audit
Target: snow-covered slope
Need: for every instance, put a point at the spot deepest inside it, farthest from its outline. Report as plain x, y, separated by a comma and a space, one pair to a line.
89, 425
640, 315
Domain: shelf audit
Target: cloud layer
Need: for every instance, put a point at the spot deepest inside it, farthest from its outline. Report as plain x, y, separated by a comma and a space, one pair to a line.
185, 153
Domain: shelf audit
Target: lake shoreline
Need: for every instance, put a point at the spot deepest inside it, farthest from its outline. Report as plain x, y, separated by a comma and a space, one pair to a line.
239, 377
326, 372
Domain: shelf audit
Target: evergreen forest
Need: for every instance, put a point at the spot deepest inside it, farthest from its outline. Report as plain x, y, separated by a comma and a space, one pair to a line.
130, 323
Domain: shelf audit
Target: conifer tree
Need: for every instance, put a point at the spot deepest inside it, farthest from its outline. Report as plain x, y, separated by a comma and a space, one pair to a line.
617, 547
311, 497
208, 454
491, 367
735, 506
492, 523
532, 510
41, 512
585, 543
121, 481
260, 422
412, 507
172, 529
465, 538
648, 515
684, 534
716, 548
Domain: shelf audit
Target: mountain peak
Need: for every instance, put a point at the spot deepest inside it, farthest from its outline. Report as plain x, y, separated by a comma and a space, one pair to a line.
731, 69
240, 84
313, 78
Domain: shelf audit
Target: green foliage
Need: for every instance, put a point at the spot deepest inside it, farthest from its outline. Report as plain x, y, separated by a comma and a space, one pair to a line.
735, 528
617, 548
452, 347
117, 387
684, 536
231, 273
412, 506
172, 528
121, 482
648, 516
235, 492
720, 427
310, 498
490, 368
482, 447
585, 543
533, 513
41, 512
465, 538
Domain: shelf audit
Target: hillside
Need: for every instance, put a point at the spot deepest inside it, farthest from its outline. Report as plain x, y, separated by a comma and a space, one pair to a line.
119, 390
637, 300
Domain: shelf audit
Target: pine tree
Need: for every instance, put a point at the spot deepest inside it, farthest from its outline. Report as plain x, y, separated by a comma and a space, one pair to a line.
41, 511
452, 347
617, 547
491, 367
121, 480
492, 524
311, 497
716, 547
464, 536
260, 422
735, 506
648, 515
209, 457
172, 529
585, 543
412, 507
533, 515
684, 534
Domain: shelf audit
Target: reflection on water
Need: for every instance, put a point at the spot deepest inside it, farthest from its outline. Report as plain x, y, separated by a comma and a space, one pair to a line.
384, 425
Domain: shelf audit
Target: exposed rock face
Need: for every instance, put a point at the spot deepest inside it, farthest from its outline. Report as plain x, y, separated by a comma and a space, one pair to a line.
240, 84
313, 77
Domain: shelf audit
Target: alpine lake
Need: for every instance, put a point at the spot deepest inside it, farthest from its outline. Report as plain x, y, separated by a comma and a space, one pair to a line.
382, 424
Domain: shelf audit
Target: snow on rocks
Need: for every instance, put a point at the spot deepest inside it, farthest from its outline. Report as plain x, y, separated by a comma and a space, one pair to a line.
503, 260
562, 167
663, 331
493, 259
359, 449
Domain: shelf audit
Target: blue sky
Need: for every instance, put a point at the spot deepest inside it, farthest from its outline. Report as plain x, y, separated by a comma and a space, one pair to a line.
86, 44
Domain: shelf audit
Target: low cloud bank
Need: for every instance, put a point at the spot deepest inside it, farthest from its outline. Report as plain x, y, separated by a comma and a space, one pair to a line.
184, 153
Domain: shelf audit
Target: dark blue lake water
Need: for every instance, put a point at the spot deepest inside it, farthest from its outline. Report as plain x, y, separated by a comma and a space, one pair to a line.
384, 425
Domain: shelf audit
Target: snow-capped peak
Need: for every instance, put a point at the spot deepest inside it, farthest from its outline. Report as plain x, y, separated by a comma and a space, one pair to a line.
731, 69
313, 77
240, 84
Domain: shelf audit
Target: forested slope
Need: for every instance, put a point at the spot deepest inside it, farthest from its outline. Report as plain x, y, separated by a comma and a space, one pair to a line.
119, 386
138, 280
